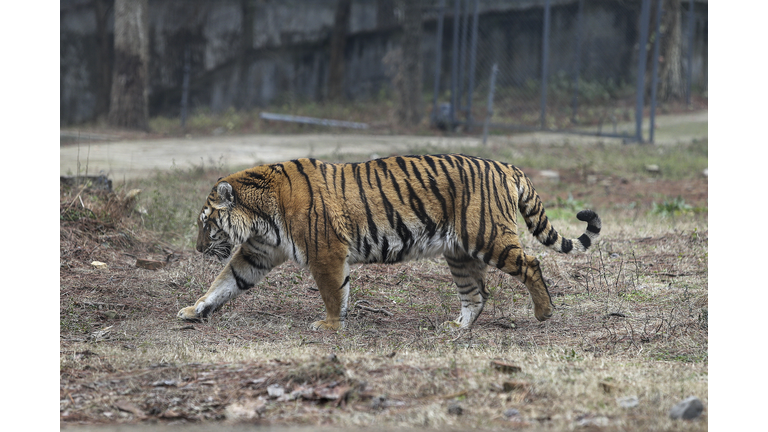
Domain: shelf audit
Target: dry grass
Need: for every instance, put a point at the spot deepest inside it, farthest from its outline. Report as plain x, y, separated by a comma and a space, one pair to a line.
631, 321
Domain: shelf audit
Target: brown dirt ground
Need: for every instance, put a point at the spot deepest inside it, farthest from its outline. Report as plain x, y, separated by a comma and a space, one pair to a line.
137, 307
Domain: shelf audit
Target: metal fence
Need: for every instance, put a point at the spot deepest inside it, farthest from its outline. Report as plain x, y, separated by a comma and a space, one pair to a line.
568, 66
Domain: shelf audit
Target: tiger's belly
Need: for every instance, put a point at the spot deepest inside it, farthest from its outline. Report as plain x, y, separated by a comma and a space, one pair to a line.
391, 248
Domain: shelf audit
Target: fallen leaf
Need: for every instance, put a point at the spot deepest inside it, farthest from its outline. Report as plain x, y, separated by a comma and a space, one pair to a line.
505, 367
150, 264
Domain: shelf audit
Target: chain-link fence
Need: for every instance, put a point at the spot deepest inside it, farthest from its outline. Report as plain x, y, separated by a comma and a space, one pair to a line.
562, 65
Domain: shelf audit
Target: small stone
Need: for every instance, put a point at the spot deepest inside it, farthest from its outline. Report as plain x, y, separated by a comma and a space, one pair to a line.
511, 412
275, 390
688, 409
100, 265
550, 175
653, 168
628, 401
379, 402
705, 172
455, 409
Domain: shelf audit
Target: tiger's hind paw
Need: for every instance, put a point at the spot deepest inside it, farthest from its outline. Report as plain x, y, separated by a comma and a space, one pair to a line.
454, 325
326, 325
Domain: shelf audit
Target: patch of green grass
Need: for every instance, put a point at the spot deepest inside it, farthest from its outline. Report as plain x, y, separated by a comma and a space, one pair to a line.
673, 207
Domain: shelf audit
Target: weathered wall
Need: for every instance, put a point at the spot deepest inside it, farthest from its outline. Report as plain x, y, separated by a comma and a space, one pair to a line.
276, 51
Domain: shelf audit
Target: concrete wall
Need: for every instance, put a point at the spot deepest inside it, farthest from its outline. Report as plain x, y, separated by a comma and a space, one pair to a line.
287, 56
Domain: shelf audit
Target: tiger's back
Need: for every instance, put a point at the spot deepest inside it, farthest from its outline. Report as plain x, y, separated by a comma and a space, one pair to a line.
327, 216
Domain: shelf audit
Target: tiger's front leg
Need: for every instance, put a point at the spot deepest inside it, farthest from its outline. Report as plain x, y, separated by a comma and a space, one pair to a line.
249, 264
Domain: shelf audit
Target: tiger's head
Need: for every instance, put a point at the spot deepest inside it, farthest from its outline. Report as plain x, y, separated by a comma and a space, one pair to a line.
213, 238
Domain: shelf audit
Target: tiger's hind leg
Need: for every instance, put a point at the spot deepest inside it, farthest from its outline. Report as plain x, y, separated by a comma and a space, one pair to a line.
512, 260
332, 278
469, 277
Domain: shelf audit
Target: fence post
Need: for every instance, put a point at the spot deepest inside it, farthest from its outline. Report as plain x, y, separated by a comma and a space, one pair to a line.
455, 60
185, 88
463, 51
544, 65
655, 71
690, 52
438, 58
577, 67
472, 64
645, 12
489, 112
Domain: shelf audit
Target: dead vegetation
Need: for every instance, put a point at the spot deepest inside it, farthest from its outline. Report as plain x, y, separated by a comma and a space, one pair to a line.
631, 321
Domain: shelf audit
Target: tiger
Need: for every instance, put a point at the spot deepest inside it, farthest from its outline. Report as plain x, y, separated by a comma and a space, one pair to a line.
326, 217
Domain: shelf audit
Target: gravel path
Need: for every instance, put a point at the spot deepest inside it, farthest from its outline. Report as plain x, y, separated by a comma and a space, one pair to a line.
132, 159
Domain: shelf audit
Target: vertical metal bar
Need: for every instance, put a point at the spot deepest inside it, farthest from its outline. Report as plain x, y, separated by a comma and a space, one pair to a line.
489, 112
438, 58
645, 12
544, 65
472, 62
454, 61
185, 88
655, 71
463, 51
690, 51
577, 66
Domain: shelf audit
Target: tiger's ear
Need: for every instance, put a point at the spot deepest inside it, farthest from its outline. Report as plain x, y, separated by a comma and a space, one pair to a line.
226, 196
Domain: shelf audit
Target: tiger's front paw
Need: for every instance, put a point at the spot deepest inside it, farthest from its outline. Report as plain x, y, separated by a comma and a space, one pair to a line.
326, 325
543, 313
188, 314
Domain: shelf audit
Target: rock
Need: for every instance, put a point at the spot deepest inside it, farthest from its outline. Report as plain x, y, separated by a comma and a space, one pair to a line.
688, 409
455, 409
550, 175
705, 173
100, 265
653, 169
379, 402
628, 401
275, 390
511, 412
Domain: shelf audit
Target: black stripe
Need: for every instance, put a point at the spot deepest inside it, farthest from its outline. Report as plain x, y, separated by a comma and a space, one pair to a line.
242, 284
253, 263
566, 246
585, 240
346, 281
593, 229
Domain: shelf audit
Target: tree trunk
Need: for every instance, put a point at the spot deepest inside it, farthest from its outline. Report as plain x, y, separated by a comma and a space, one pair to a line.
410, 107
671, 83
129, 106
338, 44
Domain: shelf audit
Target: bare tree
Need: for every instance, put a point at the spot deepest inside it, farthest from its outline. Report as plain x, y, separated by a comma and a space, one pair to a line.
672, 85
129, 106
338, 45
410, 108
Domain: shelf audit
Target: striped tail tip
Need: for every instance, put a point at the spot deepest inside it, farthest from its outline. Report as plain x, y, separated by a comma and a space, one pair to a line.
593, 228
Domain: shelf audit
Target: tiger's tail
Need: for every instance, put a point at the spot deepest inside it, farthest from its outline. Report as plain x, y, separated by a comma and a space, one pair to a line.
539, 225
